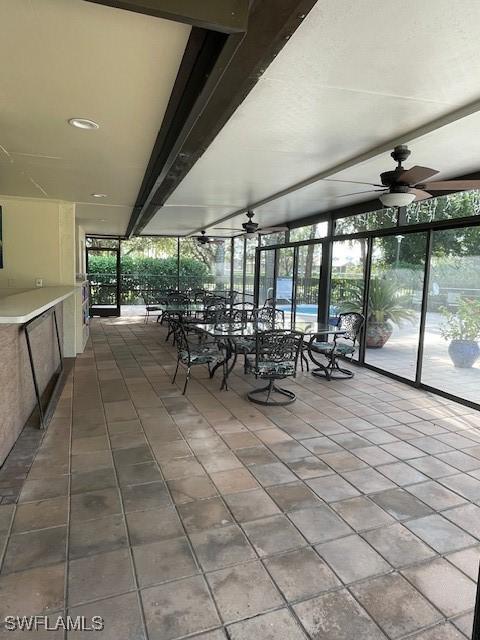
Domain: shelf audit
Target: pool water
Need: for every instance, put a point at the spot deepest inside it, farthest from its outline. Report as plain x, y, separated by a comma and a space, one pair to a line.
310, 310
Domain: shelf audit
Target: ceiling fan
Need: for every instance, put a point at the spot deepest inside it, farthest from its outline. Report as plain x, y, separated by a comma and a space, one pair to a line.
251, 228
204, 239
401, 186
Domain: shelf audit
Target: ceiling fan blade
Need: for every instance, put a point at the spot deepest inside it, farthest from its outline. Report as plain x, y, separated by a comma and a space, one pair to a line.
370, 184
452, 185
266, 230
420, 195
354, 193
416, 174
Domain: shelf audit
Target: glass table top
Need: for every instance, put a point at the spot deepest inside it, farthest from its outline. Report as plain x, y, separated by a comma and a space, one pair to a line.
244, 329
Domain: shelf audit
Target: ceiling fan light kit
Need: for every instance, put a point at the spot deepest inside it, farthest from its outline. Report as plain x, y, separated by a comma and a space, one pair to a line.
396, 199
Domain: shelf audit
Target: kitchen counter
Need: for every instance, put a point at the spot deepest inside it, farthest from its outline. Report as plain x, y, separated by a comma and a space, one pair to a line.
18, 307
17, 393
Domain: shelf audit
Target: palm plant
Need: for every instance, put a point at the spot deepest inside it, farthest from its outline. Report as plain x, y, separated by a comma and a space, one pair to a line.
384, 302
386, 306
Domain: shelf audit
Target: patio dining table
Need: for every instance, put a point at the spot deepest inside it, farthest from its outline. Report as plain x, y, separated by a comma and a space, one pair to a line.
226, 332
188, 311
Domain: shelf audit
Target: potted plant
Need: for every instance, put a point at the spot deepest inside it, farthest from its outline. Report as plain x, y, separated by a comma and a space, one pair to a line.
386, 307
462, 328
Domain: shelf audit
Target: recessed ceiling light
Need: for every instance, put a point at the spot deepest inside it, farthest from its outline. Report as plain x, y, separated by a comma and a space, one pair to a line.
83, 123
99, 195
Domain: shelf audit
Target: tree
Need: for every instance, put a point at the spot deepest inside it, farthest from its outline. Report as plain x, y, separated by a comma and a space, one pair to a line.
150, 246
412, 248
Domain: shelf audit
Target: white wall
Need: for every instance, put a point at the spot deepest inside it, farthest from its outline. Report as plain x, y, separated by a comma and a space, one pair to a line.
38, 242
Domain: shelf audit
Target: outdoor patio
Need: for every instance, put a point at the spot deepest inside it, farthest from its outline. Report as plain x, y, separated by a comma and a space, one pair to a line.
352, 513
399, 355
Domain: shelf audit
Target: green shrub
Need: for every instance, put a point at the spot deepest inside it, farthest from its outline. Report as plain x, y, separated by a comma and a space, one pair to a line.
142, 277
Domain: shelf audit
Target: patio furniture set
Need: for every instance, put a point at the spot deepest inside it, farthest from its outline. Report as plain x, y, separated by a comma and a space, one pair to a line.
212, 330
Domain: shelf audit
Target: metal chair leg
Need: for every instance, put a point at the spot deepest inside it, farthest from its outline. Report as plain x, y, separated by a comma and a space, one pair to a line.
225, 376
186, 381
176, 371
270, 390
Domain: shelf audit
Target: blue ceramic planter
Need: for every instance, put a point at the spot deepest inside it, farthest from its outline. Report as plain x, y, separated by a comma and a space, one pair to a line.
464, 353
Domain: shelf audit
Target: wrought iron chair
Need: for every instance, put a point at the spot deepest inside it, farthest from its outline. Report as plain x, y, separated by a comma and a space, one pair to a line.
269, 316
174, 301
342, 345
206, 352
276, 358
152, 300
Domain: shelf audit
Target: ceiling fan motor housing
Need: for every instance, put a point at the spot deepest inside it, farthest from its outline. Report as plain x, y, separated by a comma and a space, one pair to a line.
250, 227
390, 178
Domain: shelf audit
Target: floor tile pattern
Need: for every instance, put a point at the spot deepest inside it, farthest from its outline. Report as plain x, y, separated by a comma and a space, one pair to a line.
353, 513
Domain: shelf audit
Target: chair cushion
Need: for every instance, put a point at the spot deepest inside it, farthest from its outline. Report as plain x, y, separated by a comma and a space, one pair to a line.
202, 356
245, 344
322, 347
273, 369
344, 349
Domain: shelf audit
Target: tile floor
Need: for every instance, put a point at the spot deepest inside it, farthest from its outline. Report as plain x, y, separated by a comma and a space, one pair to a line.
351, 514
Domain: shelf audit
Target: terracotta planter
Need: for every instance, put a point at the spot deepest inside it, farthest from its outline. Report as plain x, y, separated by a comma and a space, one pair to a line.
464, 353
377, 334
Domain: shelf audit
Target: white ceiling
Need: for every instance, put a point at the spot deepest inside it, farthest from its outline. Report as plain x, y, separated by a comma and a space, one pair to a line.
70, 58
353, 77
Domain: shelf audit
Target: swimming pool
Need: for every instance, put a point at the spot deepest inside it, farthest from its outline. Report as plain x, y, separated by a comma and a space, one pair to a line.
308, 310
304, 309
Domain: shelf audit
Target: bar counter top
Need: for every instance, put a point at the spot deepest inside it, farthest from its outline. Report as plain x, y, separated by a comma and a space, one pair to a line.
20, 306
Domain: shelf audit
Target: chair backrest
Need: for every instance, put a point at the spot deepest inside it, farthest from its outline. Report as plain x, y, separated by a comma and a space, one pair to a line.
151, 297
350, 322
199, 295
212, 300
269, 316
279, 347
213, 312
179, 299
231, 315
180, 338
246, 308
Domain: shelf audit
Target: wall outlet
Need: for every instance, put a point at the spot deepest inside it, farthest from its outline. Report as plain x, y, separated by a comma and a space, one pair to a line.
39, 282
11, 283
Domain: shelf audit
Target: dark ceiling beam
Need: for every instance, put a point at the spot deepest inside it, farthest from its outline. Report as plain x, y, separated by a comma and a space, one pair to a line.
226, 16
237, 68
201, 53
